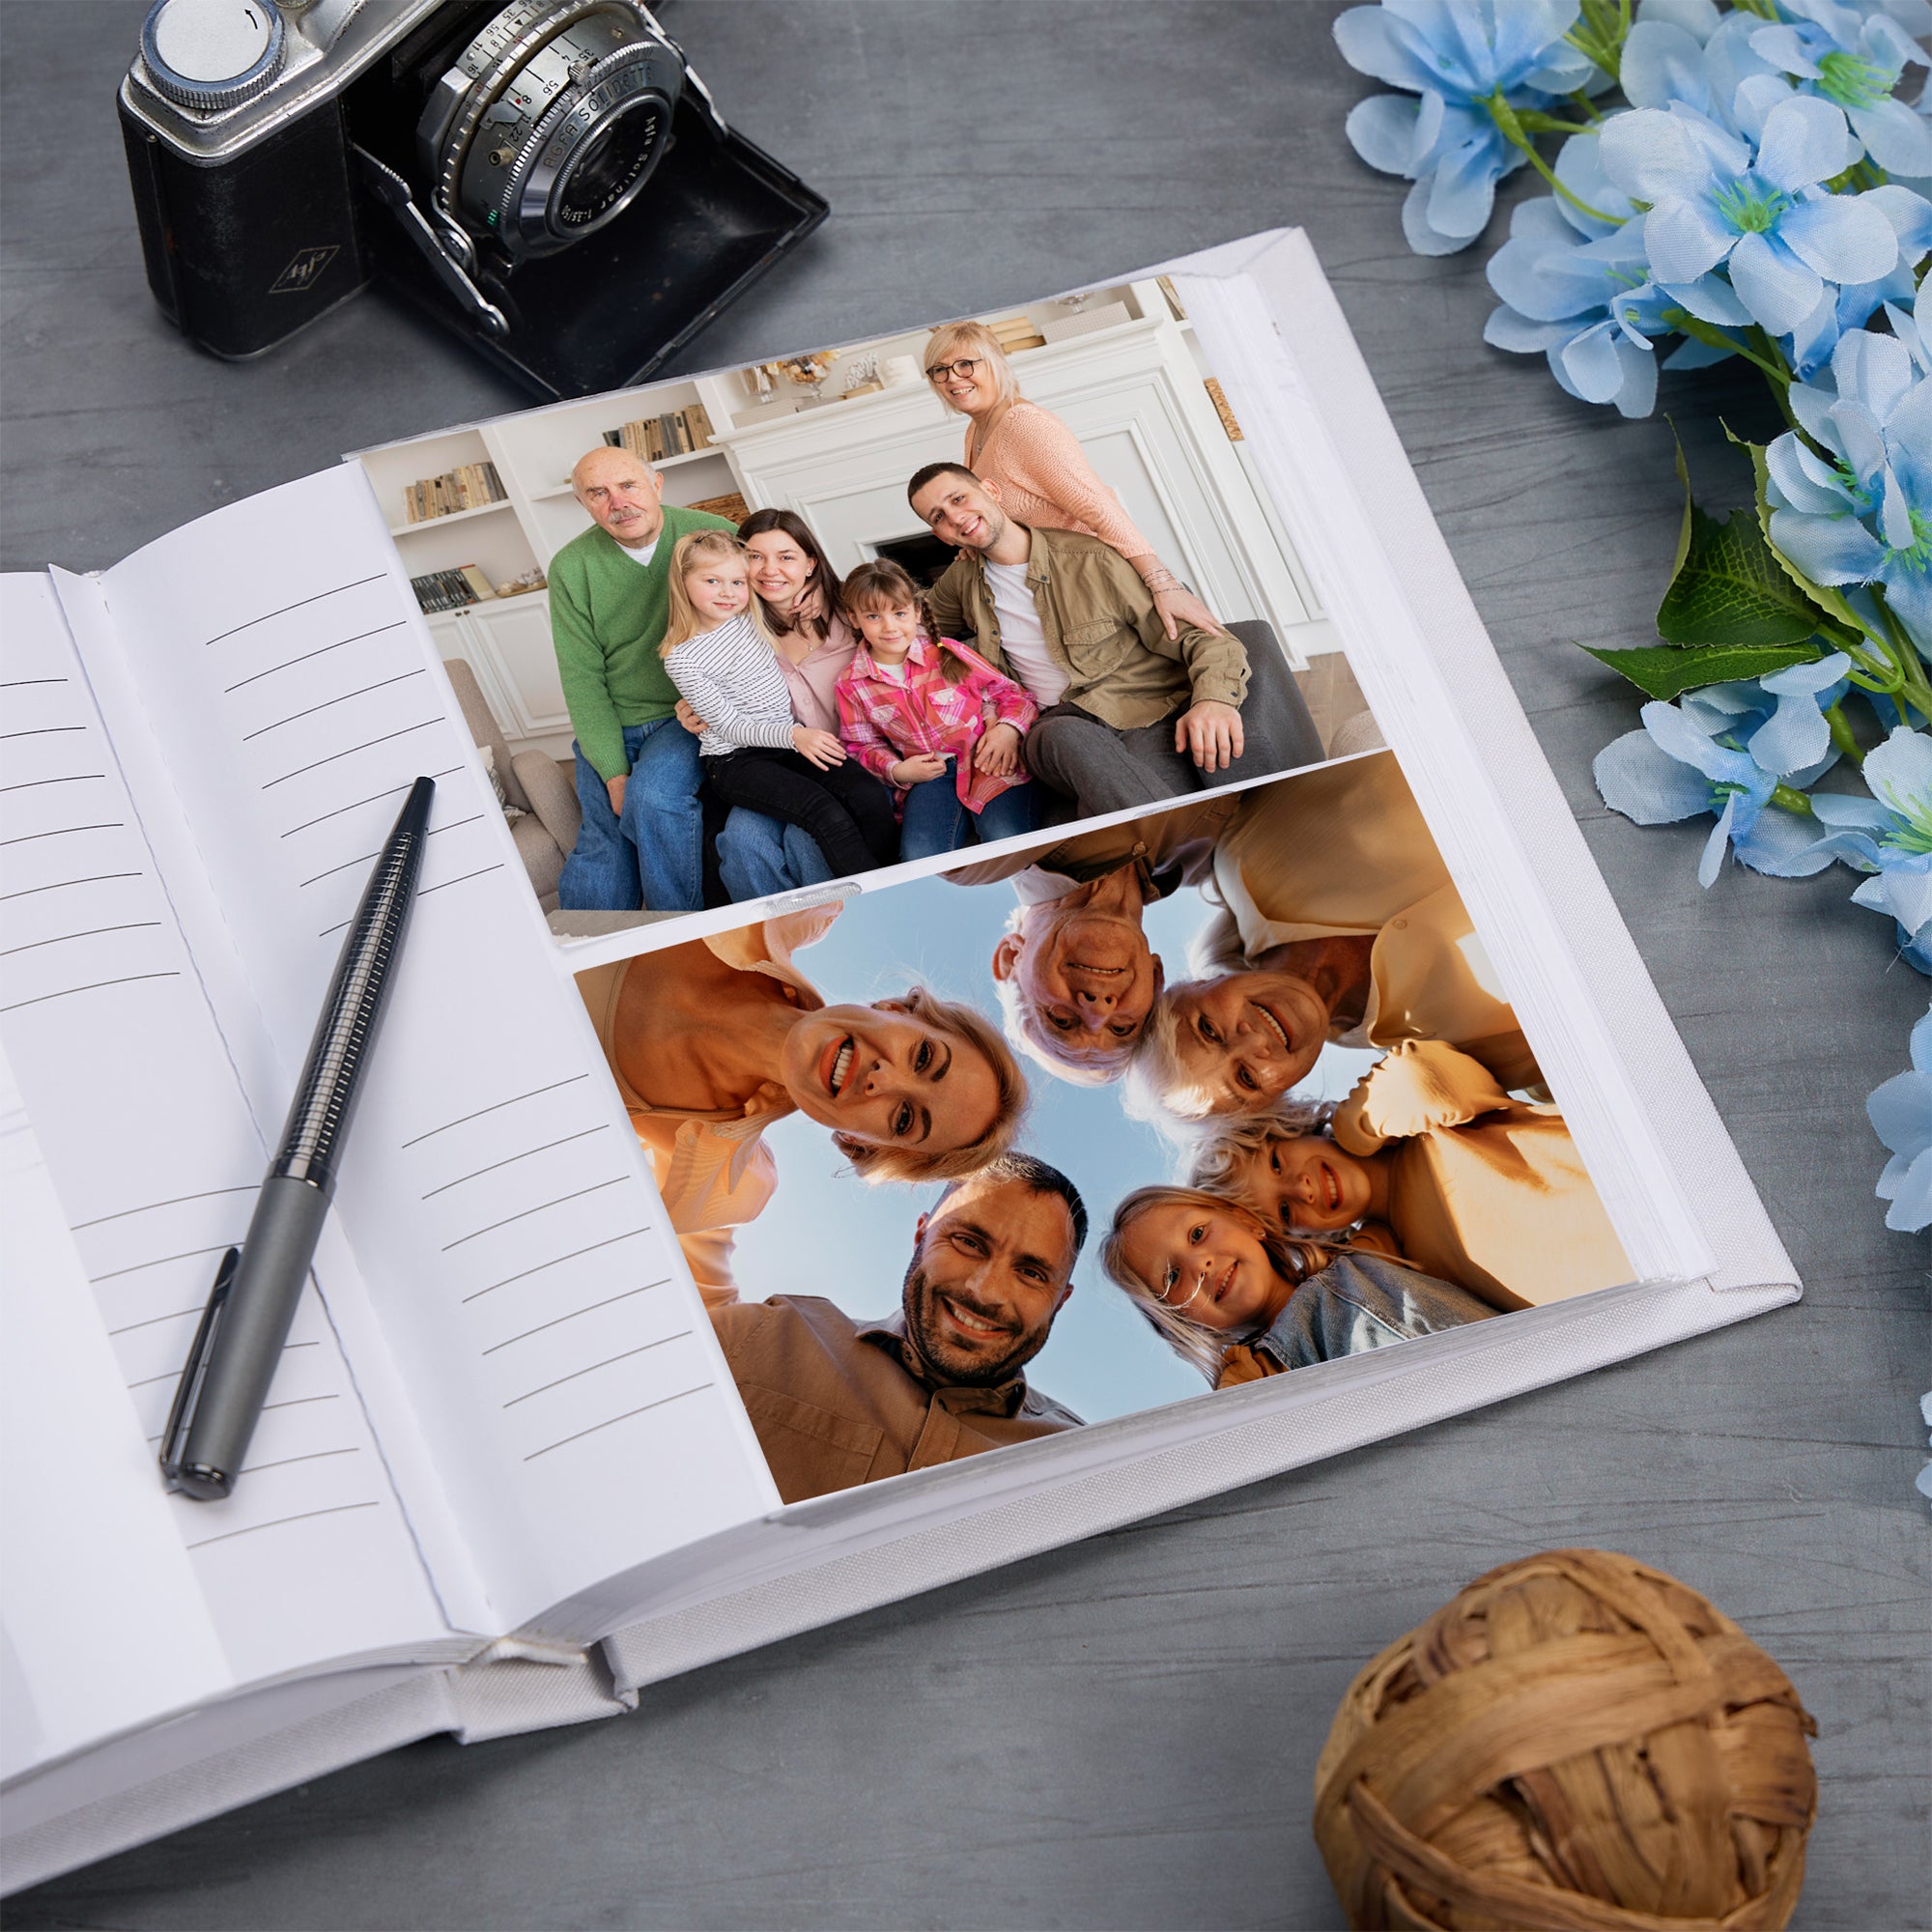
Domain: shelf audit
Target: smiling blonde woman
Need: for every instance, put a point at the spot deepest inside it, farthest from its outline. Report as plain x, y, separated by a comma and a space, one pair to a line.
713, 1041
1045, 479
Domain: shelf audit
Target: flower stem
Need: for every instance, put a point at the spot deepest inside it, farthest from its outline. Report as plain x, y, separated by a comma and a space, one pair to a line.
1699, 330
1791, 799
1913, 683
1839, 727
1510, 124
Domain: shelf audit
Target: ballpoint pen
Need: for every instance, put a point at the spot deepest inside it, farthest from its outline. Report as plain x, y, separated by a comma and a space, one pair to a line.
258, 1284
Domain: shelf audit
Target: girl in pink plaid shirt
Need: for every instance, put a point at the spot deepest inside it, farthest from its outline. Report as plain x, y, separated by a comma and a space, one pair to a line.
908, 705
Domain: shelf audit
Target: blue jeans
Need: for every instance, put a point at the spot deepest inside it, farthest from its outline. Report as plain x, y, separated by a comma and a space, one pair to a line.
935, 821
651, 856
758, 856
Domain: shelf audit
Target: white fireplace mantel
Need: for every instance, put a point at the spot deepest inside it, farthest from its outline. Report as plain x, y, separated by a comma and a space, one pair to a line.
1134, 398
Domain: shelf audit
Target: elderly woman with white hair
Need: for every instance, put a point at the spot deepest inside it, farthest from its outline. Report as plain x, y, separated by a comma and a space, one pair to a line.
1338, 921
1045, 479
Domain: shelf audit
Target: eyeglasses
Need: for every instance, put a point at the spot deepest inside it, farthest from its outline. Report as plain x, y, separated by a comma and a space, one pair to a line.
941, 371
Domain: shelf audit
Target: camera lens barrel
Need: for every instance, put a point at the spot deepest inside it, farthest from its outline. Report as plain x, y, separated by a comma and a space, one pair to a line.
550, 123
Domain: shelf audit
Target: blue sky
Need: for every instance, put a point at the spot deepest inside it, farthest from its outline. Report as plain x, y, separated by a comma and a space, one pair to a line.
828, 1233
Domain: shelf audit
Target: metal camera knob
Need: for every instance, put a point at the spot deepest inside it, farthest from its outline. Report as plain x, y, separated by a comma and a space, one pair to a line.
207, 55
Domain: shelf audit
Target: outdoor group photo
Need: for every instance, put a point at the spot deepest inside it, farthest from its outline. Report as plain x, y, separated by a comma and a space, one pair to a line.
1182, 1101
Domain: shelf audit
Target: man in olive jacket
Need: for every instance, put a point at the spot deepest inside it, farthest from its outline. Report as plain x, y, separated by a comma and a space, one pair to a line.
1127, 714
637, 766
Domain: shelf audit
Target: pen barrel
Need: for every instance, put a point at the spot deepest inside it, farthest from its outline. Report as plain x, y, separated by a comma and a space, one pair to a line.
261, 1304
330, 1078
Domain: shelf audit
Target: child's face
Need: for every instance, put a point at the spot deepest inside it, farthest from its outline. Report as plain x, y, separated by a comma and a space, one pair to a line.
1306, 1183
889, 630
718, 587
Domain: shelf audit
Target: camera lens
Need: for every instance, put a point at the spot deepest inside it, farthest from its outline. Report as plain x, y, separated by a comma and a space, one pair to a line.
550, 122
608, 166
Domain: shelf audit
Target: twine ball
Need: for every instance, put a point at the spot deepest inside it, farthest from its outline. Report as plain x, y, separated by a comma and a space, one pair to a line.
1575, 1742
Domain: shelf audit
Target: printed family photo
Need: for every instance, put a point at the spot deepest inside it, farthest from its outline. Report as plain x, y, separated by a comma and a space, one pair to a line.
759, 631
1175, 1102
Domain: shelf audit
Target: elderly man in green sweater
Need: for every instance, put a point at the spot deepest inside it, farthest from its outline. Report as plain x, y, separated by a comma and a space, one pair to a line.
637, 766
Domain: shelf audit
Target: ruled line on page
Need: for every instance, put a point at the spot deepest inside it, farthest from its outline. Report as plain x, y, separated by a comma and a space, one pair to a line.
178, 1200
276, 1523
72, 778
94, 986
422, 893
92, 932
298, 604
681, 1335
21, 683
341, 698
99, 879
335, 757
154, 1320
542, 1207
41, 731
308, 824
558, 1320
369, 858
289, 664
283, 1462
524, 1274
595, 1426
495, 1106
603, 1126
62, 831
160, 1261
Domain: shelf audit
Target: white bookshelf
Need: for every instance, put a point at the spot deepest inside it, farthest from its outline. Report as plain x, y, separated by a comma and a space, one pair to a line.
1132, 391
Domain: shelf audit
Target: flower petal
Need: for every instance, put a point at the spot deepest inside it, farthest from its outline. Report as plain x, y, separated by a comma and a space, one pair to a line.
1828, 550
1662, 63
1711, 862
1381, 129
1900, 1111
1899, 772
1896, 138
1521, 335
1652, 157
1779, 289
1646, 784
1806, 141
1699, 18
1792, 736
1841, 238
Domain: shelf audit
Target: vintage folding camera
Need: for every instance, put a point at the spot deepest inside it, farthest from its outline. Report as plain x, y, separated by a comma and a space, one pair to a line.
548, 177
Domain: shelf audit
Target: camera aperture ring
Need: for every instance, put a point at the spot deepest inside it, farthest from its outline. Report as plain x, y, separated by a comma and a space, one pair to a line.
629, 83
482, 89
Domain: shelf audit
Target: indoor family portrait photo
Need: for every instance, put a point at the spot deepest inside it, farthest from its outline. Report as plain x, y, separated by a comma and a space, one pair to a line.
789, 623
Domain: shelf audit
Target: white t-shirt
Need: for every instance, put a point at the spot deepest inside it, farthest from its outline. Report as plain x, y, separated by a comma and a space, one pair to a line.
893, 674
643, 552
1021, 635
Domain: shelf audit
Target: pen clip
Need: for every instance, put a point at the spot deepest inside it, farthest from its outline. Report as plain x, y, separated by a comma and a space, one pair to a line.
195, 1372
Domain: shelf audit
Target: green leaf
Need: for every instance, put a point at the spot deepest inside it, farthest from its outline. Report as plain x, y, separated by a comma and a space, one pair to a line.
1830, 603
1666, 670
1729, 589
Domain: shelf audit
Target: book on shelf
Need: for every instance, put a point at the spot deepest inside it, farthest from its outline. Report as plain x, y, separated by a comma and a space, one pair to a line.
534, 1442
675, 432
452, 590
732, 507
468, 488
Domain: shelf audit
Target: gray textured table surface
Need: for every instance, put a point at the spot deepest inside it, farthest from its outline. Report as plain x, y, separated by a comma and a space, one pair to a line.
1123, 1733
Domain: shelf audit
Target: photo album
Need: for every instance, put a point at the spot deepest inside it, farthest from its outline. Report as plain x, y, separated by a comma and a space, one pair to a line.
994, 956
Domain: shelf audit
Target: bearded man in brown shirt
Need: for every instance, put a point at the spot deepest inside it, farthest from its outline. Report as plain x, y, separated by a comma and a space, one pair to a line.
837, 1402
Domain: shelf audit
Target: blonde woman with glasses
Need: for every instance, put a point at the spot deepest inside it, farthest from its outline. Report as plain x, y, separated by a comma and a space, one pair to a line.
1045, 479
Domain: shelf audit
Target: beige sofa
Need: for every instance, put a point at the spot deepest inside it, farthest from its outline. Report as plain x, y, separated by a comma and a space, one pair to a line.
540, 788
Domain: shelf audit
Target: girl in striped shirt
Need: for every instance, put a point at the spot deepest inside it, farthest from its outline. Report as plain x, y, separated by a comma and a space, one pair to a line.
752, 750
908, 705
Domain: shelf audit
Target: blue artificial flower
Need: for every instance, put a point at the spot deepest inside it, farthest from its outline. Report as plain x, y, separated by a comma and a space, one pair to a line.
1855, 60
1900, 1110
1890, 836
1456, 56
1759, 211
1590, 306
1862, 513
1727, 748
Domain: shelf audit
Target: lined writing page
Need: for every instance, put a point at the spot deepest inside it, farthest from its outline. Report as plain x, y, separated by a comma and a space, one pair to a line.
156, 1159
506, 1228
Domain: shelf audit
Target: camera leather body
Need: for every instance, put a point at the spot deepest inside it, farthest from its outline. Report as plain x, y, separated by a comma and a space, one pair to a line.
253, 240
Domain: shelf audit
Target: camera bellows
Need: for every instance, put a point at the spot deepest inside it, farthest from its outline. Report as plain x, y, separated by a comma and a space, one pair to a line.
1575, 1742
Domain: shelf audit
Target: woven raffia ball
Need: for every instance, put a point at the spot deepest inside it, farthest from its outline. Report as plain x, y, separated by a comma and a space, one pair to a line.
1574, 1744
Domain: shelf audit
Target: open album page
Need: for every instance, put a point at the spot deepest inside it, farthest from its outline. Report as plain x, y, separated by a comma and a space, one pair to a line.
155, 1157
574, 1403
